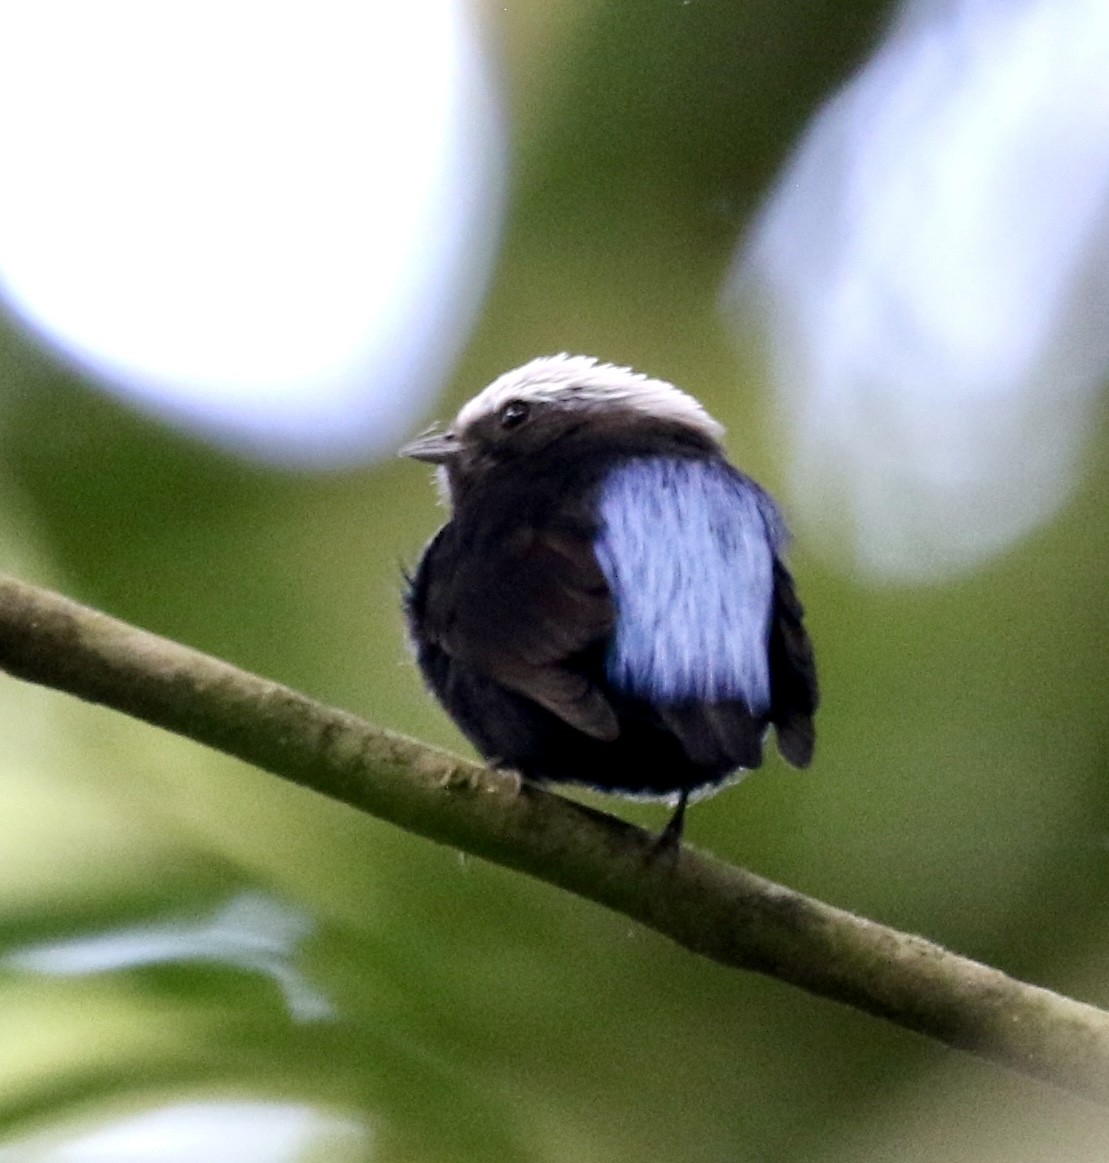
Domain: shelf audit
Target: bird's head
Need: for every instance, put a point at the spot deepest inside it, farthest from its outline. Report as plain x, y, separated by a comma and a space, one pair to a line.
553, 400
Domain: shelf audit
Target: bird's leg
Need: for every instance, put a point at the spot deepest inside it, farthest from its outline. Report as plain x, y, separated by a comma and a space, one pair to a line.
670, 838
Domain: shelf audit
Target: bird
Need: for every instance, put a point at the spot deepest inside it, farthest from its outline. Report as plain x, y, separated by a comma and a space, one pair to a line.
607, 604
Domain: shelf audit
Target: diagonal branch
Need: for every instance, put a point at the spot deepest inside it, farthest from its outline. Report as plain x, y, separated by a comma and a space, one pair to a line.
710, 907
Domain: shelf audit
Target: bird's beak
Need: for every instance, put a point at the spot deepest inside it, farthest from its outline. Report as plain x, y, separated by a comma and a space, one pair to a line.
435, 449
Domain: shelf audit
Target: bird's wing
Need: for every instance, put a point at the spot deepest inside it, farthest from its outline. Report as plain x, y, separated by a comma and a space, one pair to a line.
794, 690
688, 549
523, 610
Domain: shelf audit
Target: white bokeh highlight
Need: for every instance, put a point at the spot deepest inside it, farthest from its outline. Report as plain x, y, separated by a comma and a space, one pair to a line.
932, 276
271, 223
252, 932
205, 1131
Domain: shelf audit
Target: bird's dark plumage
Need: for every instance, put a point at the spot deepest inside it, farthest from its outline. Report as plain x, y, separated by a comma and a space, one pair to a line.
608, 604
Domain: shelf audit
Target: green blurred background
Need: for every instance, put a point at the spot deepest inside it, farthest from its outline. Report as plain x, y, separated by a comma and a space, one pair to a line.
959, 788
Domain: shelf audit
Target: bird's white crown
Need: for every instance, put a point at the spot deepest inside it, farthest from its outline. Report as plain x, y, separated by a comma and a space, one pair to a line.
581, 380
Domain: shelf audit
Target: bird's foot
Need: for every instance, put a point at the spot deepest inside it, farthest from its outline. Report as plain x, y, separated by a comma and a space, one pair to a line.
670, 838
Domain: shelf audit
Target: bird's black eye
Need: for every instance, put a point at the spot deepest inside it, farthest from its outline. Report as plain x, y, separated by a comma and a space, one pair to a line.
513, 414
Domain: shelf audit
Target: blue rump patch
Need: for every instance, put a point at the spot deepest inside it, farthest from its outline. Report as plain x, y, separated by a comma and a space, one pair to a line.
687, 548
